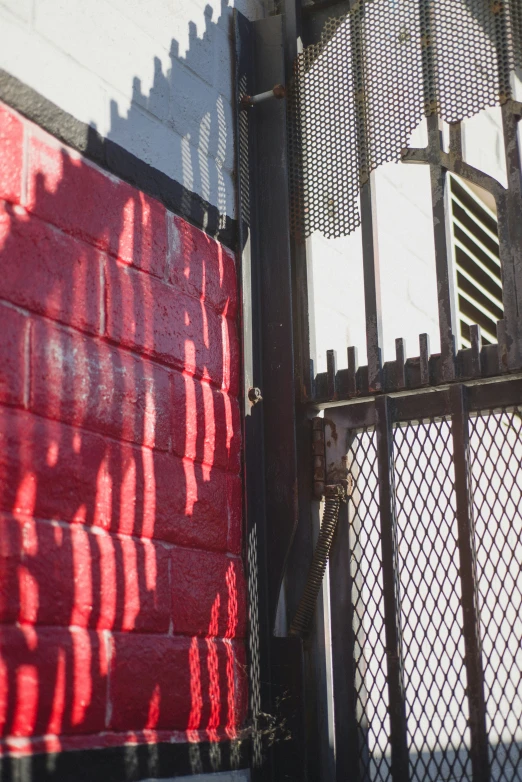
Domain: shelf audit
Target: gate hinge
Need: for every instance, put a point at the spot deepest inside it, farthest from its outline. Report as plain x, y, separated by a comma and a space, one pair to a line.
319, 457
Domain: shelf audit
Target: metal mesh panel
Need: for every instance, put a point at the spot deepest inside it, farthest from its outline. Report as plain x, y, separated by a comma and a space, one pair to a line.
496, 481
363, 89
430, 595
367, 599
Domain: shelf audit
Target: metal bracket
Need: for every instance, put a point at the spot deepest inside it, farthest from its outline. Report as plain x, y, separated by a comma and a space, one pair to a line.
337, 490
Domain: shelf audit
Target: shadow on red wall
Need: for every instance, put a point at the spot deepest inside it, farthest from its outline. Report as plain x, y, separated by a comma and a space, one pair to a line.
121, 585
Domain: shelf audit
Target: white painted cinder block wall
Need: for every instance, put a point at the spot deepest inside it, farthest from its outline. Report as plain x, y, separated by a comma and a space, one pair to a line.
153, 75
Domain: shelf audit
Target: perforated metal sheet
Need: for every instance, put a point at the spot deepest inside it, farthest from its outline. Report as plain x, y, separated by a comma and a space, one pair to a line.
362, 90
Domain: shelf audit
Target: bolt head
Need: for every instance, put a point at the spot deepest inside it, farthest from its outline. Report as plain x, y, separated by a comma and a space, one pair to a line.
254, 395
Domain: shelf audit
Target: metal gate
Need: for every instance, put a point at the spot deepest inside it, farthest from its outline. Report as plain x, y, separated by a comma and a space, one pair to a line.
426, 585
425, 576
425, 582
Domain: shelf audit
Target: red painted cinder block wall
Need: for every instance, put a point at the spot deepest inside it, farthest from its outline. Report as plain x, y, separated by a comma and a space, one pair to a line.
122, 593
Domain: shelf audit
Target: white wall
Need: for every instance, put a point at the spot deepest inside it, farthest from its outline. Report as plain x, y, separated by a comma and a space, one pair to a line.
153, 75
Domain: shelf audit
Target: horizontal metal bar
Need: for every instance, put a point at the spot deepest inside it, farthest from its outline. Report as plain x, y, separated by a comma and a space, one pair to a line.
416, 407
491, 394
494, 395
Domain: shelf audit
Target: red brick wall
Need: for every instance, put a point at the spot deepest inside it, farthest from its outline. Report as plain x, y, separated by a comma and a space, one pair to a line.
122, 595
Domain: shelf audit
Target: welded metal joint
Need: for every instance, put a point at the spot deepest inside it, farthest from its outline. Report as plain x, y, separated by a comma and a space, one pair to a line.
248, 101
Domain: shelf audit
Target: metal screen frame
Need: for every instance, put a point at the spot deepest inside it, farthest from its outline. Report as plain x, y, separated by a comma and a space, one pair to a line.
455, 405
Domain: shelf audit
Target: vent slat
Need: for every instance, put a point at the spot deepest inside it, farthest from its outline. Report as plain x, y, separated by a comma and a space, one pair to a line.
477, 264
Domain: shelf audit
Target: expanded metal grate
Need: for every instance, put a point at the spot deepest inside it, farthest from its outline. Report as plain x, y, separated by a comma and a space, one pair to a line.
360, 92
367, 601
496, 480
435, 540
430, 600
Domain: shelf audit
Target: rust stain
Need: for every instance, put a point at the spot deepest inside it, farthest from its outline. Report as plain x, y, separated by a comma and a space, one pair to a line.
331, 424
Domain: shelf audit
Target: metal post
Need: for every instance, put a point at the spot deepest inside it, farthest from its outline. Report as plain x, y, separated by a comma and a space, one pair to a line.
468, 575
390, 576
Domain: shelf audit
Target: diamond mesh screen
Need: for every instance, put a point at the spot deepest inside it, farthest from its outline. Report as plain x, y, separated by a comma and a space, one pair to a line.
360, 92
430, 595
496, 481
367, 600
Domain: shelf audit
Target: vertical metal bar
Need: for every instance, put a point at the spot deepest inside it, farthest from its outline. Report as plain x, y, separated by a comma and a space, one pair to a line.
445, 288
424, 347
476, 348
468, 575
331, 369
372, 293
344, 628
509, 223
260, 691
345, 622
446, 298
400, 363
514, 226
512, 153
273, 239
353, 365
390, 574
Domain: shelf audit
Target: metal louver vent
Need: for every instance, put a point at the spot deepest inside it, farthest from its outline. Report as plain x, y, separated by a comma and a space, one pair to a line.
477, 263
